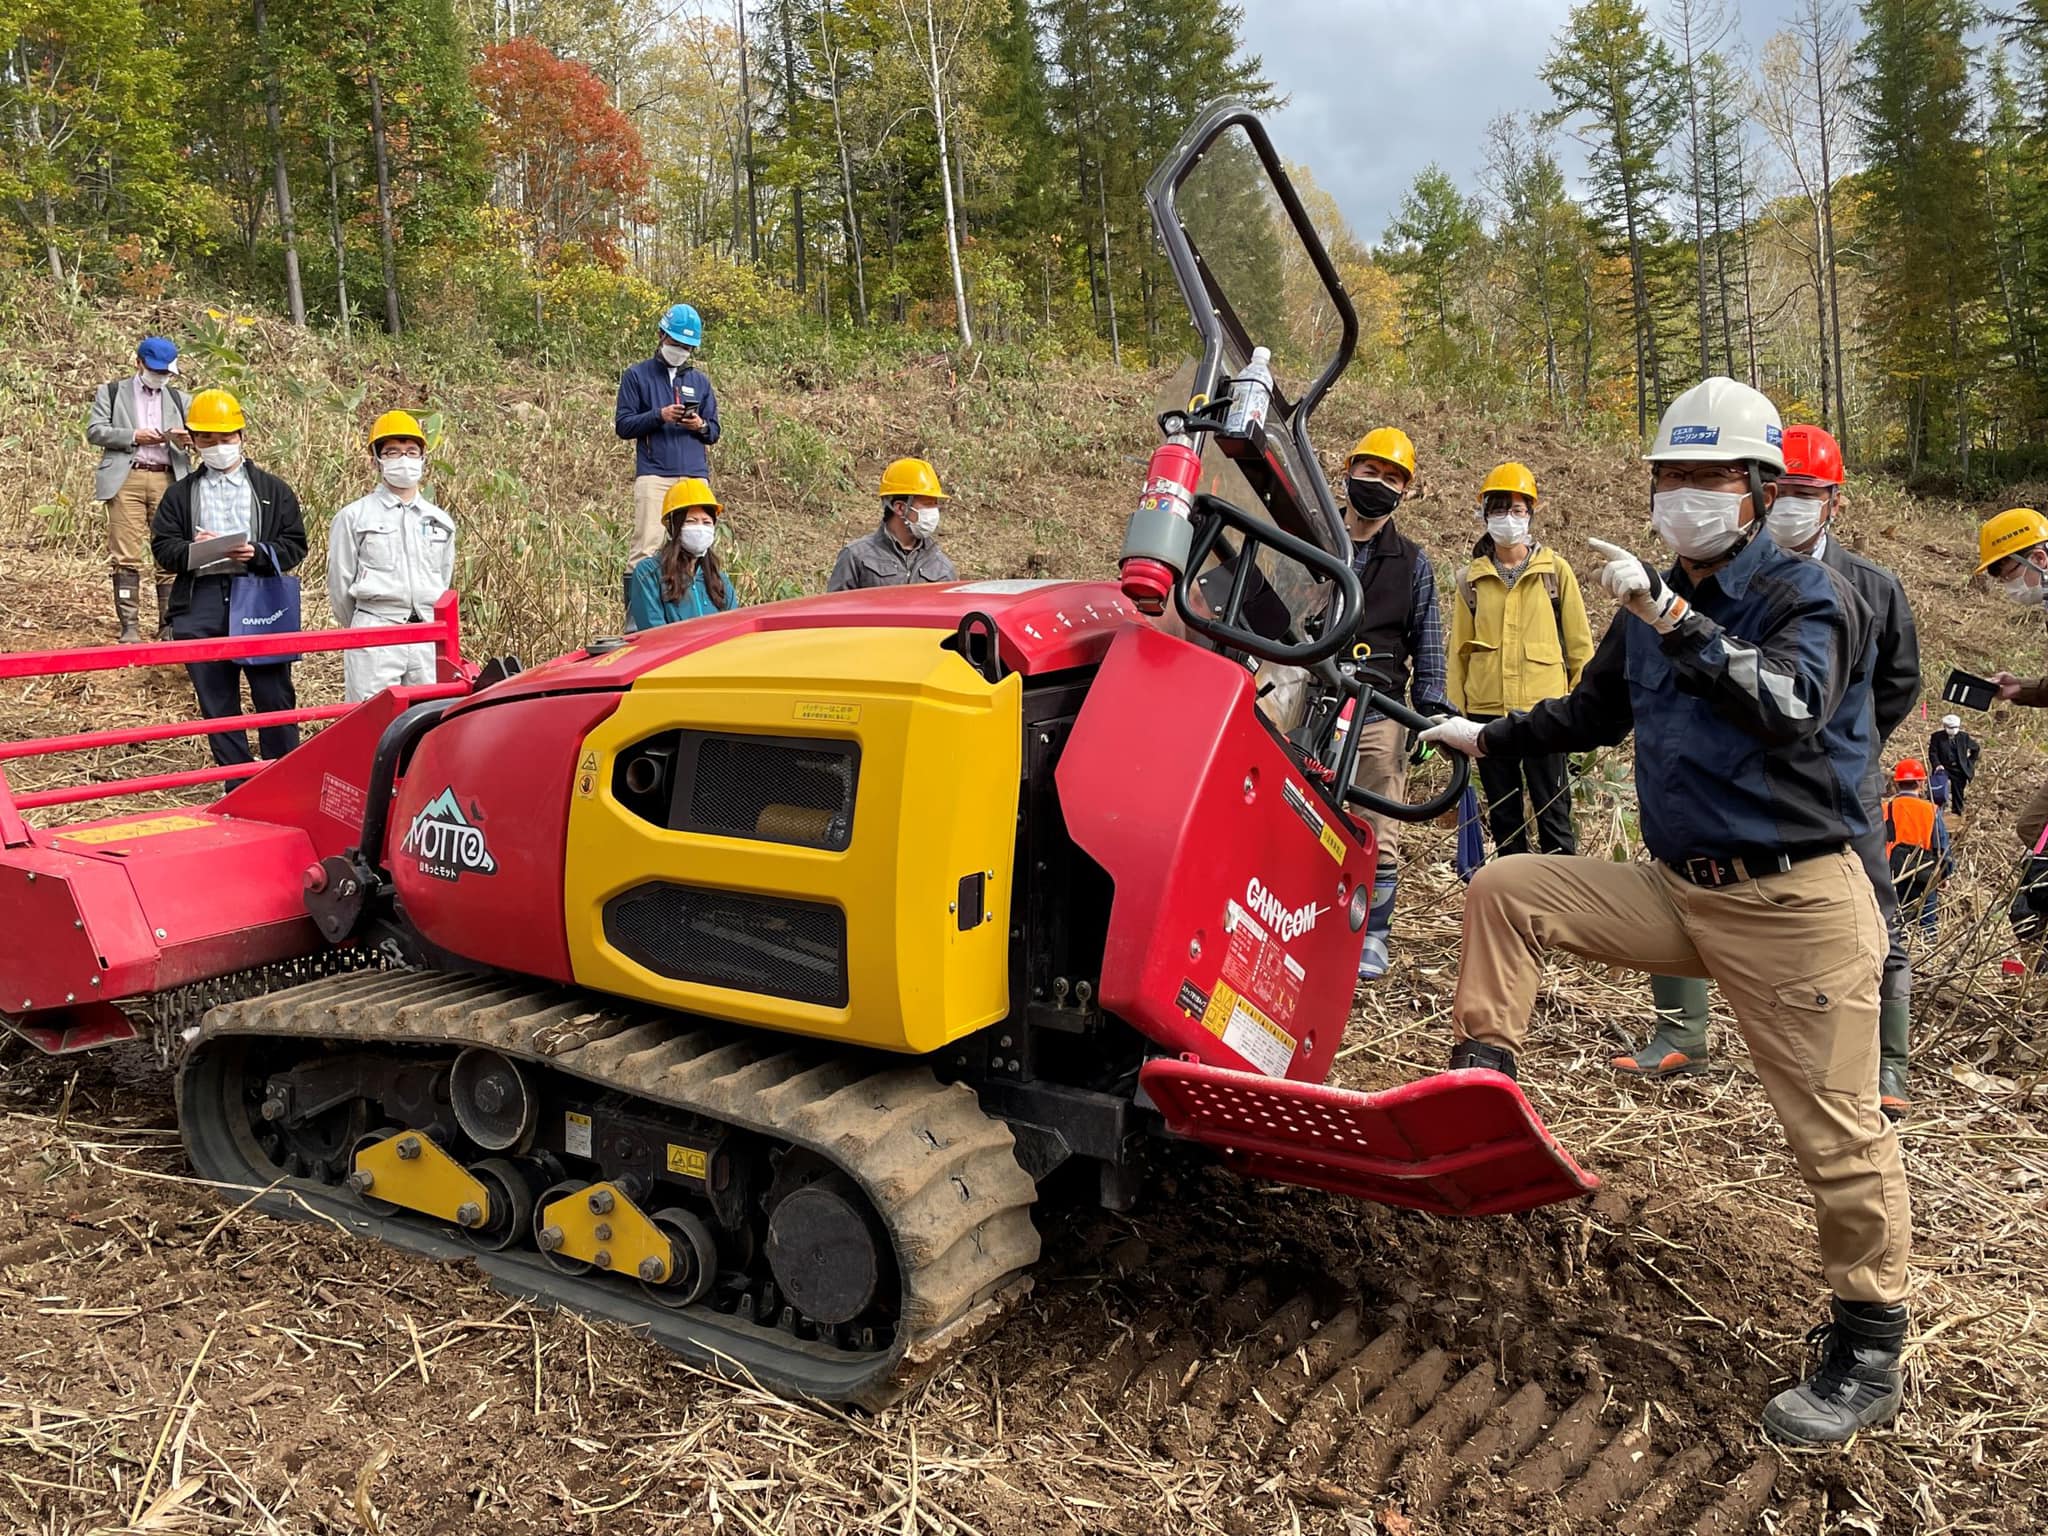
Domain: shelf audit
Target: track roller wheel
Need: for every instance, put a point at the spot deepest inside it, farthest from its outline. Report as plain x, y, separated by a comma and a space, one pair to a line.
694, 1264
493, 1099
826, 1250
549, 1239
511, 1204
356, 1180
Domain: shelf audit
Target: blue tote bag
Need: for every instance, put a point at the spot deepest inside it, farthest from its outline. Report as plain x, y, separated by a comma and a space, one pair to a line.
1471, 840
264, 605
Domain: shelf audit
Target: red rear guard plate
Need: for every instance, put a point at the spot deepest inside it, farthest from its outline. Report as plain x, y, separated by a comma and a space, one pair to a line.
1460, 1143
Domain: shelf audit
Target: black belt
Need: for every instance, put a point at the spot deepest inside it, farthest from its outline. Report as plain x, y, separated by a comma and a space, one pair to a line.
1727, 869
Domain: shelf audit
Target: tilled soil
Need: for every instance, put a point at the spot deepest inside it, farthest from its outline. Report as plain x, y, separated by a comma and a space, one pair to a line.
1238, 1360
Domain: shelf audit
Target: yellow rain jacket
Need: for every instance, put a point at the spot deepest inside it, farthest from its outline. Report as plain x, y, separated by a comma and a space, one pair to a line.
1512, 648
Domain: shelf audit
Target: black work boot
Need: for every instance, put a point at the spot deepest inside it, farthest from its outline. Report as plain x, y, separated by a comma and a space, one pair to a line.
1470, 1053
1856, 1385
163, 610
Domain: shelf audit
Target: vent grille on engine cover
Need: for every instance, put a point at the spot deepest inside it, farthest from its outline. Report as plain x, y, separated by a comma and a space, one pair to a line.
763, 944
776, 789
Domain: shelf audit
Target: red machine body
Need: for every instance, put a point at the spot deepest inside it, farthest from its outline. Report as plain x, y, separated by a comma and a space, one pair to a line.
1235, 934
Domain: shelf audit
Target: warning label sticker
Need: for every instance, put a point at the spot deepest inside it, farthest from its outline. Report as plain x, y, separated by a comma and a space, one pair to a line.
1297, 800
121, 832
1193, 1001
341, 801
586, 775
1256, 995
1248, 1032
576, 1134
687, 1161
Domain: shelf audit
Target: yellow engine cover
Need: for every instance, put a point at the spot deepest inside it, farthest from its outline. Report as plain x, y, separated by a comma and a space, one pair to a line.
935, 804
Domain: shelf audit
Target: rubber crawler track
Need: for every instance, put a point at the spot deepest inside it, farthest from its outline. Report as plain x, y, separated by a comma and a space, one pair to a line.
1297, 1390
942, 1174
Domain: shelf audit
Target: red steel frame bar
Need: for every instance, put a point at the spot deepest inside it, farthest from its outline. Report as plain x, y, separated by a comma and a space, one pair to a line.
443, 632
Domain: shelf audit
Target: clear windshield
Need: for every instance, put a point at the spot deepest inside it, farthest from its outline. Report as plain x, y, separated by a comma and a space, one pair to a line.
1263, 287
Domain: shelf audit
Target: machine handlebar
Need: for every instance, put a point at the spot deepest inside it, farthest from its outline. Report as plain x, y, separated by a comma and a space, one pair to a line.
1211, 515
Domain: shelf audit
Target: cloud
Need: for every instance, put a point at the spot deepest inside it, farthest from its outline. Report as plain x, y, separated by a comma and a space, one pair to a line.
1378, 89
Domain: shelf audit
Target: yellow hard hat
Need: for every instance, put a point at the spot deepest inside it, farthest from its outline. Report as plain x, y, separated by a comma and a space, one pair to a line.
214, 410
911, 477
685, 494
1389, 443
396, 424
1510, 476
2010, 533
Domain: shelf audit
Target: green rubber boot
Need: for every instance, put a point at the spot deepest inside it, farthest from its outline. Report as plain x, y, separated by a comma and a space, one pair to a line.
1894, 1025
1679, 1045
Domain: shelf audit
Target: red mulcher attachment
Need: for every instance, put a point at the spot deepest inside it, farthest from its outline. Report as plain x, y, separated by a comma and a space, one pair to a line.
98, 912
1460, 1143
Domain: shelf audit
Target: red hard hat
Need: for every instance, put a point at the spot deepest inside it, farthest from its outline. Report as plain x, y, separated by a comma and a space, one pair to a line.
1909, 768
1812, 454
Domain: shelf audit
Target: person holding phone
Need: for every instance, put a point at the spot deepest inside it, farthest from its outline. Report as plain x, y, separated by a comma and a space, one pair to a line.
138, 424
669, 412
229, 498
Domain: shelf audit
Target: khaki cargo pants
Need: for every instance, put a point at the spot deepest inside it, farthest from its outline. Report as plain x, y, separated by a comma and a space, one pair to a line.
1796, 954
128, 516
1383, 769
648, 533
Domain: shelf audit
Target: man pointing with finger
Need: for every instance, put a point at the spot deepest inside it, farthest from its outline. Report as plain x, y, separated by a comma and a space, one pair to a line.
1743, 672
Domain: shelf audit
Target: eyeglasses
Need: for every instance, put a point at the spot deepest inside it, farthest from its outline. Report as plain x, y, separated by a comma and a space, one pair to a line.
1676, 477
2007, 566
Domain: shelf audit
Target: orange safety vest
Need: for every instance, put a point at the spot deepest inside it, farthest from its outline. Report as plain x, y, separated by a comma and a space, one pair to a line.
1909, 820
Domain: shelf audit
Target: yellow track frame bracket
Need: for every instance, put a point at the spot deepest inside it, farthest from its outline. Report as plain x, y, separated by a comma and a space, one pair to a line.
600, 1225
408, 1169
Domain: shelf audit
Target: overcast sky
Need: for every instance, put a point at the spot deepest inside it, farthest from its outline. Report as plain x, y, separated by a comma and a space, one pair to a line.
1377, 89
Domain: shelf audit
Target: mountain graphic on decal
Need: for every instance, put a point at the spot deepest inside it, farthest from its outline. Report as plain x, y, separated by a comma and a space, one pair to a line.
446, 843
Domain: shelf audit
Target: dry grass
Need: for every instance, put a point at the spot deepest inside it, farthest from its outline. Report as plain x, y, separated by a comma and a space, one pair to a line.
168, 1363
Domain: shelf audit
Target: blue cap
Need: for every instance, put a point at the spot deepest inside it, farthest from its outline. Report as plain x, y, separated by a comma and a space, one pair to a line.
681, 324
159, 354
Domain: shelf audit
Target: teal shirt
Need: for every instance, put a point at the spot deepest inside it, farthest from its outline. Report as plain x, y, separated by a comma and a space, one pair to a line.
648, 608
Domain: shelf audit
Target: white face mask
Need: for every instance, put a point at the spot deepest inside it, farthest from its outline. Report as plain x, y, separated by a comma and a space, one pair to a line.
698, 538
1508, 529
1795, 520
1697, 524
154, 379
404, 472
924, 521
674, 355
222, 456
2028, 594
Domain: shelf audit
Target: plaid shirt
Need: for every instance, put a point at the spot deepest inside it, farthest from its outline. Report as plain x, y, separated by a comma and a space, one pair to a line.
1430, 688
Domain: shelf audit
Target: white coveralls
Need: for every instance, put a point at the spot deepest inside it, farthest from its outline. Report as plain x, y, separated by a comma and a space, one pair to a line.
387, 561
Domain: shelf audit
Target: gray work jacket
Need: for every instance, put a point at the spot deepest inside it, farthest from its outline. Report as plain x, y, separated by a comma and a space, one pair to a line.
111, 429
879, 561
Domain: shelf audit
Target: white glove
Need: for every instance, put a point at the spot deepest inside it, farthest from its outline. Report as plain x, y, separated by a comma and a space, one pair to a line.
1459, 734
1631, 581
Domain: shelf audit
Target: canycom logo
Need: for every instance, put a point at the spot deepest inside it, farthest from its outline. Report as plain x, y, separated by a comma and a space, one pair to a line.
446, 843
254, 621
1290, 923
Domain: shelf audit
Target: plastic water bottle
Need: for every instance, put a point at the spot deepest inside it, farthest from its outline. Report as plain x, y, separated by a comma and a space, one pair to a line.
1251, 393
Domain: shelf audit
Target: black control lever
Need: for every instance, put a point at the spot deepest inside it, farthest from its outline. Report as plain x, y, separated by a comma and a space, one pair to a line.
1365, 698
1211, 515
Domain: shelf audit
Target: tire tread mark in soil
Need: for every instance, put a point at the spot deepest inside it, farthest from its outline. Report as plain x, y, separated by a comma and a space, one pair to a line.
1368, 1453
1743, 1501
1427, 1469
1675, 1481
1614, 1476
1158, 1386
1565, 1450
1289, 1380
1319, 1426
1210, 1401
1507, 1437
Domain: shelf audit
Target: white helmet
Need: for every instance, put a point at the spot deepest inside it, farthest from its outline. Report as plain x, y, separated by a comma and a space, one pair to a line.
1953, 722
1719, 421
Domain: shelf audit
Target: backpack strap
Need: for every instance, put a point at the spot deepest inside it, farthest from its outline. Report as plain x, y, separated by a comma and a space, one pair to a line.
1468, 590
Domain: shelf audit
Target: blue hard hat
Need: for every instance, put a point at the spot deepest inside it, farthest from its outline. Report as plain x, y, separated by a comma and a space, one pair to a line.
682, 325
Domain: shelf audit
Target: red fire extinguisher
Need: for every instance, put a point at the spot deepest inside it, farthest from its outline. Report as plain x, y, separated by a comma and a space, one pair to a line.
1170, 481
